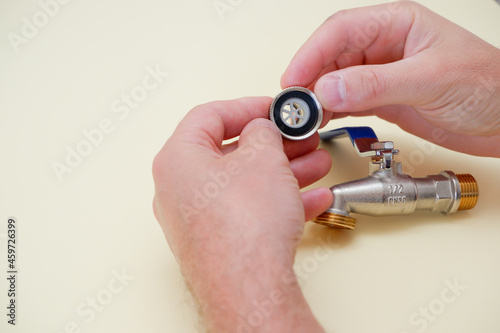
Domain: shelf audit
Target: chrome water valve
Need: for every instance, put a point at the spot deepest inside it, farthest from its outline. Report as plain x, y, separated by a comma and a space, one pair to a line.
387, 190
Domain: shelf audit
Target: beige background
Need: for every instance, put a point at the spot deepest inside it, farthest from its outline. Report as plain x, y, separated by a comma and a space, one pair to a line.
77, 233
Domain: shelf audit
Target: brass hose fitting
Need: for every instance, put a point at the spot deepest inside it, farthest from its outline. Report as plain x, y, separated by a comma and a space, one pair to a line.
469, 191
336, 221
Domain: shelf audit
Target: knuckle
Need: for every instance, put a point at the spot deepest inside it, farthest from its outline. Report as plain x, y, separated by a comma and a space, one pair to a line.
201, 109
411, 4
337, 15
165, 162
158, 166
372, 86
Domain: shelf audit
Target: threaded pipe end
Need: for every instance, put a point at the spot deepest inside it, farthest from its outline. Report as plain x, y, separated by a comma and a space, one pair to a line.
336, 221
469, 191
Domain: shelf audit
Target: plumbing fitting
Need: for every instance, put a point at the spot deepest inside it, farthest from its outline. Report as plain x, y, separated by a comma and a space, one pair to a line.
296, 112
387, 190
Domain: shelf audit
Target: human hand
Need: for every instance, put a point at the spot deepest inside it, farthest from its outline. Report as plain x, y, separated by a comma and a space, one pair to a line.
233, 214
410, 66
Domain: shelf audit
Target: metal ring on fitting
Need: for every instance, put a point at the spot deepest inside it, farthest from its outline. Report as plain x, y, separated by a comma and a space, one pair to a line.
296, 112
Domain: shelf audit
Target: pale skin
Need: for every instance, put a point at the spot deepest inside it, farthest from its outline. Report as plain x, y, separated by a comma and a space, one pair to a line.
233, 215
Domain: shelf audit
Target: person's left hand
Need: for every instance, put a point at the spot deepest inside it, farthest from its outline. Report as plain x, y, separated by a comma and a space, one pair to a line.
233, 214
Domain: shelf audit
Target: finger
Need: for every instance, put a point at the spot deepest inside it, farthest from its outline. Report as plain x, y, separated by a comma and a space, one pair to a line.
361, 88
229, 148
311, 167
316, 201
260, 134
209, 124
343, 61
374, 30
293, 149
411, 121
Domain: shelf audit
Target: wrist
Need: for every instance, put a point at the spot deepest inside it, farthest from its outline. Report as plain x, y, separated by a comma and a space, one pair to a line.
252, 298
256, 305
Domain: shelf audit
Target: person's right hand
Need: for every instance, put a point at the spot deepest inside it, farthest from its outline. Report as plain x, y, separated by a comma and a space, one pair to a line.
410, 66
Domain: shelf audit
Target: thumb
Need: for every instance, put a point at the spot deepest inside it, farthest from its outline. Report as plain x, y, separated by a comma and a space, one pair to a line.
259, 134
365, 87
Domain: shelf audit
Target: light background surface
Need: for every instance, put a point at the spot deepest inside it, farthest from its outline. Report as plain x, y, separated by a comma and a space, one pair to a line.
75, 234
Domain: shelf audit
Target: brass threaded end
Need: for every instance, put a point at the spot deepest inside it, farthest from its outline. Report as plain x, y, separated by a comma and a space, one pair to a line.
336, 221
469, 191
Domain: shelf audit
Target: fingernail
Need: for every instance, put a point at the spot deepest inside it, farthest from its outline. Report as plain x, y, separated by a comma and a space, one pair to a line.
331, 91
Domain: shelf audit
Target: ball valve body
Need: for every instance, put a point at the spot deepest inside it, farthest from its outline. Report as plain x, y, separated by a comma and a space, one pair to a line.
388, 191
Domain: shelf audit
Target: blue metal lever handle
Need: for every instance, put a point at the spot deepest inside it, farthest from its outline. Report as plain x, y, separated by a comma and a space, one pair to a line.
353, 133
362, 138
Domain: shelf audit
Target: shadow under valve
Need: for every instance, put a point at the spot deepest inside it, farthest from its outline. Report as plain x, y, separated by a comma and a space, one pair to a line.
387, 190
